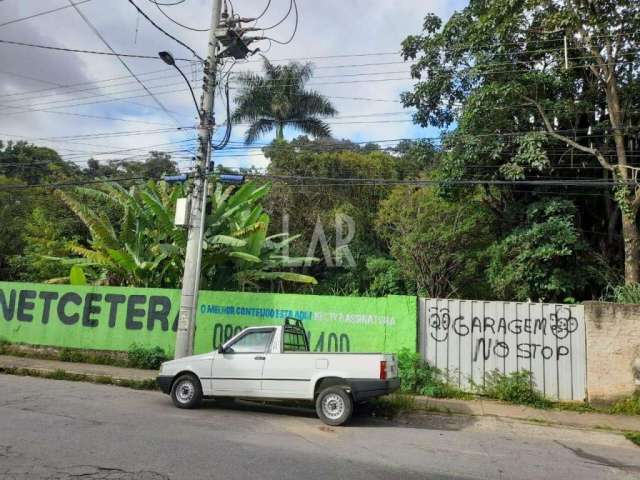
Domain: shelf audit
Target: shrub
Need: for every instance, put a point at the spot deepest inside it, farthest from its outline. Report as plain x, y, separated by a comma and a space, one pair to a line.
634, 437
623, 293
417, 376
148, 358
516, 387
70, 355
627, 406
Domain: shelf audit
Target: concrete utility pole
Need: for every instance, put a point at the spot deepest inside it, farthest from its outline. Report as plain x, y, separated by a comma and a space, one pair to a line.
193, 256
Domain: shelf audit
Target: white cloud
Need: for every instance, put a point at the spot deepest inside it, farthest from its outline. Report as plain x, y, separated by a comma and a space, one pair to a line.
329, 27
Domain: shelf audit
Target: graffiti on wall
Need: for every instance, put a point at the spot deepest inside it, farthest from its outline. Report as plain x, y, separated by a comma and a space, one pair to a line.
559, 325
469, 339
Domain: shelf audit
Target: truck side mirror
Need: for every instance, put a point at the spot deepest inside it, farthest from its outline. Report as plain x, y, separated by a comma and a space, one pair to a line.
220, 349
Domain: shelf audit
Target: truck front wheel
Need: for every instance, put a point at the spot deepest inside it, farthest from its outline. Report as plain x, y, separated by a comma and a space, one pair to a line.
334, 406
186, 391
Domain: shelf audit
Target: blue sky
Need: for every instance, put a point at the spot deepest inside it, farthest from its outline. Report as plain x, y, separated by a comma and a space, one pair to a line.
85, 95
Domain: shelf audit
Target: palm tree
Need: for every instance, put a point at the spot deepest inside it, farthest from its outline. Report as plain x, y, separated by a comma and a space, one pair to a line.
278, 99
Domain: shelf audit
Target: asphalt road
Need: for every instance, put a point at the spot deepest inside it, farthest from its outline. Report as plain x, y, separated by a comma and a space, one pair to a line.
63, 430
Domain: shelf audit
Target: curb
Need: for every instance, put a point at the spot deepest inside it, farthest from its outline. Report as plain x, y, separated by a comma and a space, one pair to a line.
70, 376
485, 408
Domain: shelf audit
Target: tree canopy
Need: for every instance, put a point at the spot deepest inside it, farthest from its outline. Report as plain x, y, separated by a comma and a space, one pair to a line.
538, 90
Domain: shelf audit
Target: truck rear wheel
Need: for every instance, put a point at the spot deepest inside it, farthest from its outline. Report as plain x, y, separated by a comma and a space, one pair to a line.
186, 391
334, 406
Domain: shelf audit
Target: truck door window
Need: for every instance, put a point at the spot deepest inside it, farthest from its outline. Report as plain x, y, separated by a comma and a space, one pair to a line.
252, 342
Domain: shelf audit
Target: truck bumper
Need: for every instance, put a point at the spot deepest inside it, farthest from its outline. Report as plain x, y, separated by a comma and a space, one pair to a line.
366, 389
164, 382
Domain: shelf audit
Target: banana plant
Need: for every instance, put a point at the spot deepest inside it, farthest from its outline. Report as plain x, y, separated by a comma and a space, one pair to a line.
132, 237
134, 242
255, 259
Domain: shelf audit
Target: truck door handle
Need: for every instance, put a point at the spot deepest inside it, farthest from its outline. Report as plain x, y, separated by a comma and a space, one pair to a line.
259, 358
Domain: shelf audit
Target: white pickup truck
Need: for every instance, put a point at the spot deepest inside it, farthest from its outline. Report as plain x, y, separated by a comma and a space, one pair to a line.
276, 363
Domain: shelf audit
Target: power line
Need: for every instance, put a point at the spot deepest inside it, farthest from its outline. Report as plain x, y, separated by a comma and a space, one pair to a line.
164, 71
114, 152
352, 181
295, 27
72, 184
159, 7
46, 12
98, 117
93, 88
97, 85
49, 83
76, 50
179, 42
115, 134
124, 64
262, 14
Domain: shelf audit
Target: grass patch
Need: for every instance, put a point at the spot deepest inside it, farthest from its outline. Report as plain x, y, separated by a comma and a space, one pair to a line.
579, 407
627, 406
60, 374
634, 437
138, 356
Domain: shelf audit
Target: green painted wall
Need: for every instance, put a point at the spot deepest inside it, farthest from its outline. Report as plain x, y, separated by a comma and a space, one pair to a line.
112, 318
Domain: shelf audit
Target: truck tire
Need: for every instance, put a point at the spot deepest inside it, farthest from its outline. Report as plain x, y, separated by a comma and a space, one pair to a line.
186, 391
334, 406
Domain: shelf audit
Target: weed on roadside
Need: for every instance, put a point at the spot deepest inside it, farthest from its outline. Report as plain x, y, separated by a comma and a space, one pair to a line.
627, 406
580, 407
146, 357
418, 377
515, 387
69, 355
634, 437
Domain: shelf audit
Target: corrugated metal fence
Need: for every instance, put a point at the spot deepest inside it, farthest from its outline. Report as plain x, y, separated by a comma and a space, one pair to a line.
468, 339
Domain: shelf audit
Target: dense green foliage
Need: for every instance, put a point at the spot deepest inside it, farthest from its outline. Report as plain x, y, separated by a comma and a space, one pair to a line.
545, 259
627, 406
142, 247
327, 214
439, 245
493, 78
417, 376
148, 358
495, 75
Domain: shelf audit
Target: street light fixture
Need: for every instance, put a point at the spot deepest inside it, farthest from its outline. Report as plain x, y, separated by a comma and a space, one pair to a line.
169, 60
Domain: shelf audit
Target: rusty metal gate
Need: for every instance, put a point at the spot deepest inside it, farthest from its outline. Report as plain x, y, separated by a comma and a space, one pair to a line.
468, 339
